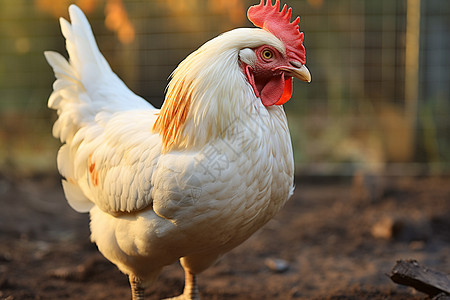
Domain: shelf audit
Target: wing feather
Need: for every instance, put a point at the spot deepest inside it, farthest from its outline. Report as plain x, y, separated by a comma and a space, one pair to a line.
121, 159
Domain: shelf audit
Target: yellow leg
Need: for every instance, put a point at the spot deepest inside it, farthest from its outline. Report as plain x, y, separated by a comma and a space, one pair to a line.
137, 290
190, 288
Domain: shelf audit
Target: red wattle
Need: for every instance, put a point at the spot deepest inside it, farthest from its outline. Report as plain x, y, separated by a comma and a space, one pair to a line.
287, 93
277, 91
273, 90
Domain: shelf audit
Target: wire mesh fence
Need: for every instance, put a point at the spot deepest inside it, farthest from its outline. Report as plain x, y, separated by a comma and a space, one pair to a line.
379, 97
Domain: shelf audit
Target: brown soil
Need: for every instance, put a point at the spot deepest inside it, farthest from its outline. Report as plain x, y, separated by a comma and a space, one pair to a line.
339, 242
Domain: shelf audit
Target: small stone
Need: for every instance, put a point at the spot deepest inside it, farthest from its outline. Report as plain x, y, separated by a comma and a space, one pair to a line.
383, 229
277, 265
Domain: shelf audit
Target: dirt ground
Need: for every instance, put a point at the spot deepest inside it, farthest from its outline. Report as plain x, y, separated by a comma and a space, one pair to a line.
335, 239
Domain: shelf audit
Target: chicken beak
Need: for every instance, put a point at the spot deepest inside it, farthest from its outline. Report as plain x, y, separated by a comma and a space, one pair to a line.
298, 71
301, 73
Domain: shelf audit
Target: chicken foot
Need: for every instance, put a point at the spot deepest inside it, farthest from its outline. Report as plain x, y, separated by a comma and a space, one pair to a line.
137, 290
190, 288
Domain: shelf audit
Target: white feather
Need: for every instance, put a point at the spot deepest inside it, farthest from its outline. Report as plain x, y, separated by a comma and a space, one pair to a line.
84, 88
76, 198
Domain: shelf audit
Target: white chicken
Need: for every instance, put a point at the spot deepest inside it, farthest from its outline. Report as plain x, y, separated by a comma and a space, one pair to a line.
195, 179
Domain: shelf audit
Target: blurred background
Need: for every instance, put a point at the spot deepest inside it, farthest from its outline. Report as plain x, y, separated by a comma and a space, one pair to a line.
379, 100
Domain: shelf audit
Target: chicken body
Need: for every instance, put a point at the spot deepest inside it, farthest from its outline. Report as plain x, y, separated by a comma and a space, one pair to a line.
204, 202
188, 182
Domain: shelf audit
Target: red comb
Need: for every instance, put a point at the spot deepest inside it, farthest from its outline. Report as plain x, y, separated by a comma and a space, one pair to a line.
270, 18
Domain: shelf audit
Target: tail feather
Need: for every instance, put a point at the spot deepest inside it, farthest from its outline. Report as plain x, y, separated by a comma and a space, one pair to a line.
85, 92
77, 200
85, 85
62, 69
85, 57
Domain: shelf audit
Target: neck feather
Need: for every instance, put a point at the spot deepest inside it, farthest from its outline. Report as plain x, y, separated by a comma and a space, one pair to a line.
208, 92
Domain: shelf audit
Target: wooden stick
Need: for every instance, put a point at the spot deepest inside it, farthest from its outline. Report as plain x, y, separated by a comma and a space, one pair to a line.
427, 281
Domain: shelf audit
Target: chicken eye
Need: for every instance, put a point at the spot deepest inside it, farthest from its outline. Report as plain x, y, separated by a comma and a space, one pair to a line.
267, 54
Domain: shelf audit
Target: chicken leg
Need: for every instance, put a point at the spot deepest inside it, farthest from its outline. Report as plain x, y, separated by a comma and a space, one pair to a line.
190, 291
137, 290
